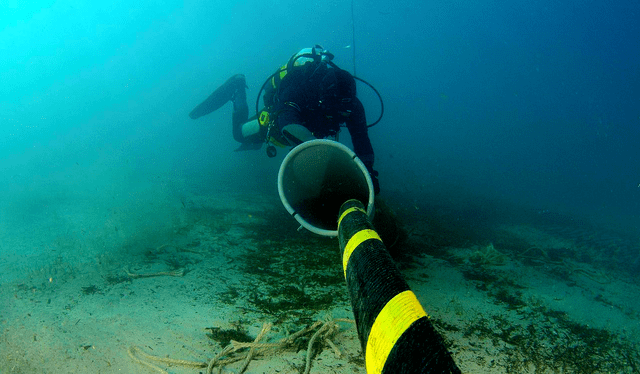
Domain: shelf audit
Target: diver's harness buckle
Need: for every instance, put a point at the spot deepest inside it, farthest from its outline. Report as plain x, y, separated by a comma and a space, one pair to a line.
266, 119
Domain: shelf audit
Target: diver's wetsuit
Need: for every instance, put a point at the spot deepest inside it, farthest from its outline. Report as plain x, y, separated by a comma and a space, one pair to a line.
320, 98
316, 95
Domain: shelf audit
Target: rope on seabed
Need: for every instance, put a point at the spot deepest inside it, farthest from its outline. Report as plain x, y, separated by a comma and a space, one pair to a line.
322, 331
146, 359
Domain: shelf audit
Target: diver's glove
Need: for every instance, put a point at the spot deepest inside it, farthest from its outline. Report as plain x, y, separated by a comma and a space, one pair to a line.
367, 160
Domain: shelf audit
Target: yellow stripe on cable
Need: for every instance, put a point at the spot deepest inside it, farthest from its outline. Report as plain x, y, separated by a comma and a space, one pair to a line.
392, 321
353, 209
354, 242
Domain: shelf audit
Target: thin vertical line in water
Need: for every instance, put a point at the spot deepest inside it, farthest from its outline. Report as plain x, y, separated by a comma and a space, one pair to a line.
353, 38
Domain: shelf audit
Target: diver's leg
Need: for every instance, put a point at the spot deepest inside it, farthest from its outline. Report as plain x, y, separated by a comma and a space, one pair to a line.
249, 133
228, 91
240, 114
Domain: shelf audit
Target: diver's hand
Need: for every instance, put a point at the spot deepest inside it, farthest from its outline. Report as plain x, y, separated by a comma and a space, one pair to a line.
372, 173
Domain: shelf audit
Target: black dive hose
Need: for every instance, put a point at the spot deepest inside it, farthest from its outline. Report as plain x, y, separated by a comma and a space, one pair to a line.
360, 79
262, 89
379, 97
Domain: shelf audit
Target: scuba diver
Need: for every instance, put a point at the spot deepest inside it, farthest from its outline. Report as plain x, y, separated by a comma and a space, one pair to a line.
307, 98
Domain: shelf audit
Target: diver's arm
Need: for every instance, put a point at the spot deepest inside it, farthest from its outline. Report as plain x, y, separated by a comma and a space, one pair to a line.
289, 101
357, 125
289, 113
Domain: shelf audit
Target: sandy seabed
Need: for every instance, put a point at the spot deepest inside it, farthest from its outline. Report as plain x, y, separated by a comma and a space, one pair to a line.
233, 263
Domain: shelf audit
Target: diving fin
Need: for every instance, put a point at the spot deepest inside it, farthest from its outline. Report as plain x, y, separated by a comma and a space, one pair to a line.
220, 96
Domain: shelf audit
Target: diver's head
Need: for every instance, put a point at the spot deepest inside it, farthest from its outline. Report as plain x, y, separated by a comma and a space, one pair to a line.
306, 55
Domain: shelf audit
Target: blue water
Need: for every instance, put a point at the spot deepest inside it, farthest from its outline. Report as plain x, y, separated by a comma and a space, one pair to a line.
534, 104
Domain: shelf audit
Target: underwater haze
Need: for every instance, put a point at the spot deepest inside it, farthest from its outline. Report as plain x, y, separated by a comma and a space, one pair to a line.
532, 104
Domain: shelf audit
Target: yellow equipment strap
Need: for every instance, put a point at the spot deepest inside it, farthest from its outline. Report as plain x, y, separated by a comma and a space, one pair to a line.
392, 321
